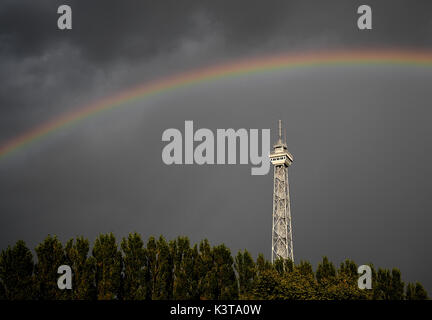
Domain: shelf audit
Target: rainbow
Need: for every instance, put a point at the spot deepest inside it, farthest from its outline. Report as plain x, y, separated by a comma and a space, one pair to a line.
232, 69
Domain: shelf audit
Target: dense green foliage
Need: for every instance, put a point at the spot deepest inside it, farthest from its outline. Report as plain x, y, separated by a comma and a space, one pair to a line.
174, 269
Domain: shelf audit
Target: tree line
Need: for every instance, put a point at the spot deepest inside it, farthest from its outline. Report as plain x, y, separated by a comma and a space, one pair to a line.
163, 270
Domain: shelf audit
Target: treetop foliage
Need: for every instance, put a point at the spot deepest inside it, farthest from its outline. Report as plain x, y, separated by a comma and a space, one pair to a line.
161, 269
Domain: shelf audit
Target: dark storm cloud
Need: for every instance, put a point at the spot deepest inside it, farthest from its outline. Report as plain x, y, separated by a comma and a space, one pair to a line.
113, 35
112, 30
102, 30
39, 61
352, 195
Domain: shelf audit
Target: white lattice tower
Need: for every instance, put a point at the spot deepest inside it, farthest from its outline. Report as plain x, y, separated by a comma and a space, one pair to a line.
282, 243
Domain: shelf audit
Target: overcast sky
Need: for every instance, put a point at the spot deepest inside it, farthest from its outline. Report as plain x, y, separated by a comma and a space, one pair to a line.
360, 135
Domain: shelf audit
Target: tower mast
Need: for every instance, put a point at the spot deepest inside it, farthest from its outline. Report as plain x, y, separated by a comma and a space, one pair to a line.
282, 243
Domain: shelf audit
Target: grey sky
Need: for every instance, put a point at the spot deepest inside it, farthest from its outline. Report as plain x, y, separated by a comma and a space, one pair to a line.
360, 135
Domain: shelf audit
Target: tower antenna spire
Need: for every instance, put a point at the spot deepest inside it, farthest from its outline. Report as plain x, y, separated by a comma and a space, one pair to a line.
280, 130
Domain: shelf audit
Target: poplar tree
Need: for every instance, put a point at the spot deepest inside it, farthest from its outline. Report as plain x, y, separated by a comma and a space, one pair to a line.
162, 270
420, 292
279, 266
246, 273
348, 269
151, 267
325, 271
376, 291
223, 269
207, 280
305, 269
178, 250
50, 255
288, 265
192, 267
16, 270
347, 282
267, 285
186, 272
108, 267
262, 264
409, 291
163, 287
383, 285
415, 292
396, 291
83, 269
135, 285
296, 286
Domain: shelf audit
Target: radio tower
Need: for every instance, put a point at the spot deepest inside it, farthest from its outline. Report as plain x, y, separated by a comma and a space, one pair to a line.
282, 243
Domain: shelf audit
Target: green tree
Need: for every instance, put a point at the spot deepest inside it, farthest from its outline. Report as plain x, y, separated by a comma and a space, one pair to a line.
415, 292
179, 249
348, 268
223, 269
305, 269
186, 271
340, 285
279, 266
295, 285
217, 275
342, 288
382, 289
325, 271
267, 285
389, 285
166, 270
163, 287
16, 270
205, 264
246, 273
288, 265
376, 293
262, 264
283, 265
347, 283
396, 286
108, 262
151, 267
420, 292
83, 268
192, 267
134, 259
50, 255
